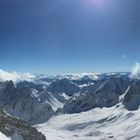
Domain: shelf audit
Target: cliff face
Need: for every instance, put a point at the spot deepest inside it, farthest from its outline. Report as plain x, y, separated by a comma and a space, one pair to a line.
20, 103
17, 129
132, 98
101, 94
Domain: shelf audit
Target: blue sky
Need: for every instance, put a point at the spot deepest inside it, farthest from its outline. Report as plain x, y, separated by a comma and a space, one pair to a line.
69, 36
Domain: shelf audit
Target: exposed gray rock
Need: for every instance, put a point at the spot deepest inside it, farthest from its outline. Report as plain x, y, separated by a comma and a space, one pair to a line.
63, 86
132, 98
17, 129
103, 94
20, 103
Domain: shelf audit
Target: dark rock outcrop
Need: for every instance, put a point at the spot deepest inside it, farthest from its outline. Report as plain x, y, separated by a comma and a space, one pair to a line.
102, 94
17, 129
132, 98
64, 86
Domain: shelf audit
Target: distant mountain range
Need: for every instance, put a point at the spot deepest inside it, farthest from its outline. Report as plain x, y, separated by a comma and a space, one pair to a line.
41, 97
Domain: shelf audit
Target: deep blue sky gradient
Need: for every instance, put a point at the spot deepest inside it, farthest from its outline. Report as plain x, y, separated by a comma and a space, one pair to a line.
69, 36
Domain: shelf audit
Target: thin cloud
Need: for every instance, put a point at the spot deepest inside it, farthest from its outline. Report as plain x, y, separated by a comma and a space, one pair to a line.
14, 76
132, 21
136, 71
124, 56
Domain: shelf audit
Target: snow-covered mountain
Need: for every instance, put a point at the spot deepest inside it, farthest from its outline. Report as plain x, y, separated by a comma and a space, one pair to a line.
56, 101
64, 86
104, 93
77, 106
36, 102
114, 123
22, 103
110, 111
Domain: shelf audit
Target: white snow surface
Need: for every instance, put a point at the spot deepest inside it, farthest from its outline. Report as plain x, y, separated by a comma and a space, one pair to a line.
3, 137
115, 123
56, 100
15, 136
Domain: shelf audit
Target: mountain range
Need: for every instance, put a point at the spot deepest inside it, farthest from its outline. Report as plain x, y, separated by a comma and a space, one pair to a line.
73, 107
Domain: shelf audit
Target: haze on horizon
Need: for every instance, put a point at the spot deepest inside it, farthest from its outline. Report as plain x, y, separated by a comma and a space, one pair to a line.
68, 36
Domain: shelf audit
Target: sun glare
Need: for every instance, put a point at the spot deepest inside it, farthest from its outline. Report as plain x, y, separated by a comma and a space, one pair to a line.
97, 3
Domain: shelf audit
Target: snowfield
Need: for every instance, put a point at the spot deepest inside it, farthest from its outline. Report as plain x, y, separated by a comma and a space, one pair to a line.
115, 123
3, 137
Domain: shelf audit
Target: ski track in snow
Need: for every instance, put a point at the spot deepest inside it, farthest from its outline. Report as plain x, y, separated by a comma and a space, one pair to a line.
115, 123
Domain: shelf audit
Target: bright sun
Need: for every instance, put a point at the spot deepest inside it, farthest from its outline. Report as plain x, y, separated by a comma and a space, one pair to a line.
97, 4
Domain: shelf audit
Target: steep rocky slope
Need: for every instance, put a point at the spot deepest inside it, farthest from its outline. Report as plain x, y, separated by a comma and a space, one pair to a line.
104, 93
132, 98
20, 102
63, 86
16, 129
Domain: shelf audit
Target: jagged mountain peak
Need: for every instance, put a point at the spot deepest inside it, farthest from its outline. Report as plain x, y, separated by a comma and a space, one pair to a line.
63, 86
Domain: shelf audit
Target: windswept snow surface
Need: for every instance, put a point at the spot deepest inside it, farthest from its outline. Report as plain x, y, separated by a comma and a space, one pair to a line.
3, 137
115, 123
